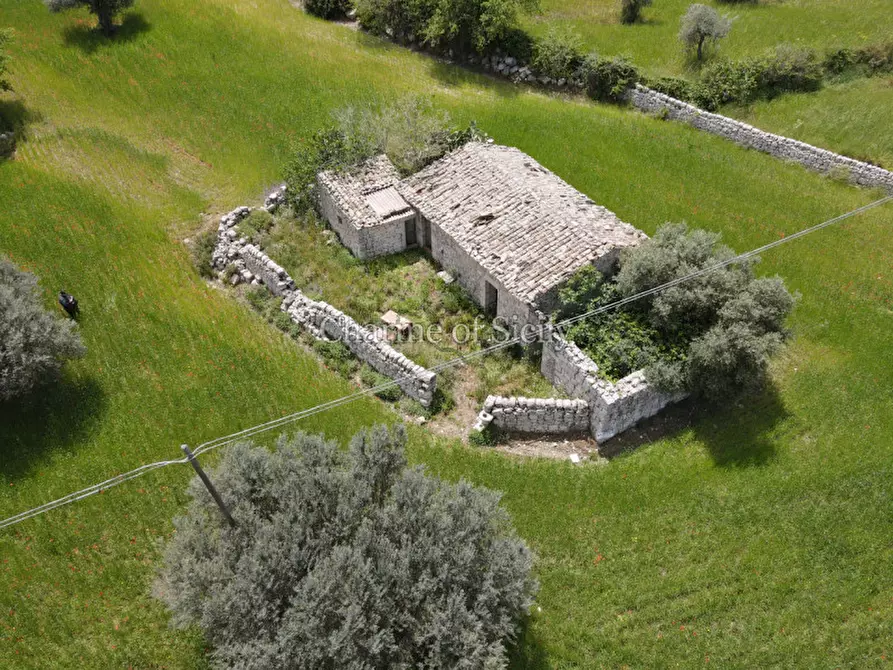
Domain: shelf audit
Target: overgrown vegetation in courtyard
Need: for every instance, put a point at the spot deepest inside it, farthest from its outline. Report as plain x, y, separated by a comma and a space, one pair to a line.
346, 560
714, 335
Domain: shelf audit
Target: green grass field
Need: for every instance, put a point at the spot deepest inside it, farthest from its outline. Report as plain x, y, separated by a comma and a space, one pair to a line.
848, 118
757, 27
759, 536
852, 118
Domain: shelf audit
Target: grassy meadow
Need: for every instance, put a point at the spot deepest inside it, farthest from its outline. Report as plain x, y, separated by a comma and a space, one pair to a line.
653, 44
849, 118
757, 536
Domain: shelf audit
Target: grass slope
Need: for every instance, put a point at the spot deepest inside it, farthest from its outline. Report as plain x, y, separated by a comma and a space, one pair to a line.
851, 118
758, 26
758, 537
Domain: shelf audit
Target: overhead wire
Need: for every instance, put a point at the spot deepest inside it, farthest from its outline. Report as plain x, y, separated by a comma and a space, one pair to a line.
459, 360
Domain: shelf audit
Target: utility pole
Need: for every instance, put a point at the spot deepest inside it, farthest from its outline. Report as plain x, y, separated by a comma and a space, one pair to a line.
193, 461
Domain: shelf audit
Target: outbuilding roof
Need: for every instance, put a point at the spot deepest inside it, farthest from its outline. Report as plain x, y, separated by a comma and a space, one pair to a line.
525, 225
366, 192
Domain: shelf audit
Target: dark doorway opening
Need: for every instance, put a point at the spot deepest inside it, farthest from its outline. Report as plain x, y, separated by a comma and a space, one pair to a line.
411, 239
491, 298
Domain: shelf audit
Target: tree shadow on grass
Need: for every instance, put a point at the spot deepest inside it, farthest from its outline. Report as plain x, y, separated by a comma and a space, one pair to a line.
16, 116
89, 38
737, 433
528, 652
53, 417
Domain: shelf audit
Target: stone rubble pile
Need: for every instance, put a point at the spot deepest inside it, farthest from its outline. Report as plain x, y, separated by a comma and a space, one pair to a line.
243, 262
813, 158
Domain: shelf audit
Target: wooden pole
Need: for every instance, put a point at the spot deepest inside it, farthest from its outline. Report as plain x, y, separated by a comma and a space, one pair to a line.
207, 482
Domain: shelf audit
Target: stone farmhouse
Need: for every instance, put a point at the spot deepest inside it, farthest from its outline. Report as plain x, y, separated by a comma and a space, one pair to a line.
509, 230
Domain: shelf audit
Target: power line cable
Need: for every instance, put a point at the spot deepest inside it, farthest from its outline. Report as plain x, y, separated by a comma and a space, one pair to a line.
459, 360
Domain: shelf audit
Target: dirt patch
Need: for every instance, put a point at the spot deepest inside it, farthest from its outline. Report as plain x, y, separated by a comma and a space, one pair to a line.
459, 421
560, 447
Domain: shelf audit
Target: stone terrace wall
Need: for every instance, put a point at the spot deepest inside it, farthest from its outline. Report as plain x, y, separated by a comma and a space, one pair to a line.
322, 320
535, 415
813, 158
613, 407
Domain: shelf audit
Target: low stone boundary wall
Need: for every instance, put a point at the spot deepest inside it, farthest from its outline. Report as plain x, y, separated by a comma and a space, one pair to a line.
813, 158
535, 415
613, 407
319, 318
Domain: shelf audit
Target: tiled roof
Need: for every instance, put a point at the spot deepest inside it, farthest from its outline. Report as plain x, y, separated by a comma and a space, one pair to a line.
524, 224
365, 193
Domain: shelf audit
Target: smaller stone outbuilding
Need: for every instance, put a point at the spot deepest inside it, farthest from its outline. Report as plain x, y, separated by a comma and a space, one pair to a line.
365, 209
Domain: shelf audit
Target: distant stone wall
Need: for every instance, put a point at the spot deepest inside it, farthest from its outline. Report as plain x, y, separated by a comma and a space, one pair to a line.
613, 407
813, 158
322, 320
535, 415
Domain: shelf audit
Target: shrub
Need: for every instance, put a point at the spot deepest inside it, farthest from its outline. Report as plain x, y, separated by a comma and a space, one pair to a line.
328, 9
865, 61
607, 79
33, 342
713, 335
105, 10
410, 131
337, 357
256, 225
200, 249
372, 379
5, 39
557, 54
631, 10
461, 26
346, 560
702, 25
788, 69
487, 437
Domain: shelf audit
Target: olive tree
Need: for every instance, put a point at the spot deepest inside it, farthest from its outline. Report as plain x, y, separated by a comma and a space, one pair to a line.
712, 335
702, 25
33, 342
346, 559
730, 321
105, 10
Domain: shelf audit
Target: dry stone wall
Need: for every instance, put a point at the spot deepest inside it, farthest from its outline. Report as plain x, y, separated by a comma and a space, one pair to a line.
251, 265
535, 415
613, 407
813, 158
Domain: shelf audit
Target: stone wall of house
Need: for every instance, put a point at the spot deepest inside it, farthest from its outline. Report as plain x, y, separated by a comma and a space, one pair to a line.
813, 158
613, 407
471, 276
384, 239
535, 415
339, 221
252, 265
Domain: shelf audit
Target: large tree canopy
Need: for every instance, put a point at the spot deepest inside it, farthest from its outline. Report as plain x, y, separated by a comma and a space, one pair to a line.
33, 342
714, 334
346, 560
